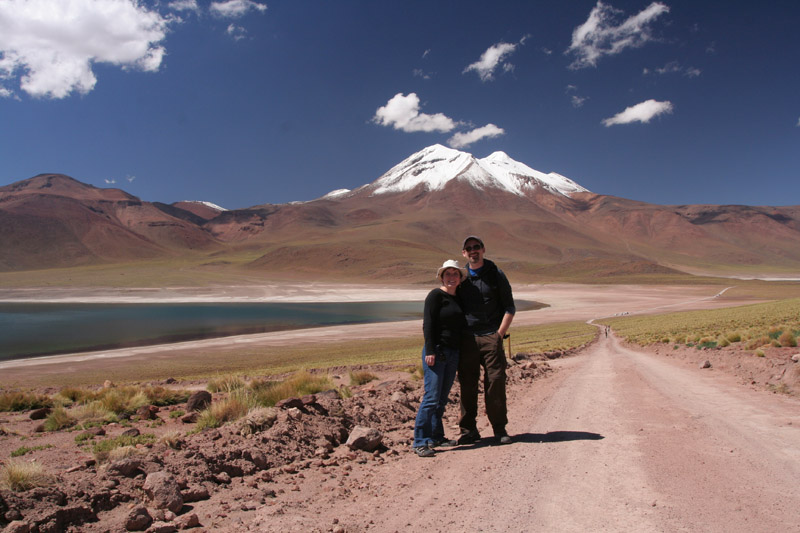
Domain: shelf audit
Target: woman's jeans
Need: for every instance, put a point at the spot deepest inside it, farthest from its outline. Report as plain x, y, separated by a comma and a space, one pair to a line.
438, 381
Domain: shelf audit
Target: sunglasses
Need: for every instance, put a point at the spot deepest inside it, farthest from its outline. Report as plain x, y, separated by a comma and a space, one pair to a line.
471, 248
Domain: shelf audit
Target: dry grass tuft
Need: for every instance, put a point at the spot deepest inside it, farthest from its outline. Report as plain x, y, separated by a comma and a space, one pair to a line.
19, 475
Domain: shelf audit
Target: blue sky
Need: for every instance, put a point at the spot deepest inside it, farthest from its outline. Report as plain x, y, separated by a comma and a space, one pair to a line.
242, 102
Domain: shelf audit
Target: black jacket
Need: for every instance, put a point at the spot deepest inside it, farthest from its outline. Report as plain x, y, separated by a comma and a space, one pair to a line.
486, 297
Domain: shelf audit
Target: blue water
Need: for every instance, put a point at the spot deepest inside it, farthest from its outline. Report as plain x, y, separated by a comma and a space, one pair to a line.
31, 329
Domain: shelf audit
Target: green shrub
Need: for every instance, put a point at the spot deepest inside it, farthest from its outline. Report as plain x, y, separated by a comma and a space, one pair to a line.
59, 418
25, 450
102, 450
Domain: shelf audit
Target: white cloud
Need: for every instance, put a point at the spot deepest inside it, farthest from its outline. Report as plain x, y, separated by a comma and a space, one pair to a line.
578, 101
236, 32
235, 8
602, 34
493, 57
673, 67
184, 5
460, 140
419, 73
130, 178
110, 182
642, 112
402, 113
692, 72
52, 44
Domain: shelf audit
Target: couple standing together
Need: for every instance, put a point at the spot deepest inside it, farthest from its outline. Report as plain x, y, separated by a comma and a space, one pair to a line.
464, 323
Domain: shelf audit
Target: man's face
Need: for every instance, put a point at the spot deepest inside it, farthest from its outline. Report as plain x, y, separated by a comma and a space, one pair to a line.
473, 251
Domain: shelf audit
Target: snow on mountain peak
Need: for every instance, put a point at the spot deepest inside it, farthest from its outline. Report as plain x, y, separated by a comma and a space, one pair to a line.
207, 204
436, 165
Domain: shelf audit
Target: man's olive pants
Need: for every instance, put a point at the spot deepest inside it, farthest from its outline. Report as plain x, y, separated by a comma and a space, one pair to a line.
483, 351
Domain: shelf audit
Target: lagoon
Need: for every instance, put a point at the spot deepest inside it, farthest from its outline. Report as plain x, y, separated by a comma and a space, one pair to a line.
36, 329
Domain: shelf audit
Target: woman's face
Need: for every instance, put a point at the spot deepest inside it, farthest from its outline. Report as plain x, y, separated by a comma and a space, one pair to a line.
451, 277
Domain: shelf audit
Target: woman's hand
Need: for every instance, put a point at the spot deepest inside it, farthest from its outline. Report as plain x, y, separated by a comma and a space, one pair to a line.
430, 360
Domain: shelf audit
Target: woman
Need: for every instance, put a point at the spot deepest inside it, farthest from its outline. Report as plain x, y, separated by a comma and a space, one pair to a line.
442, 324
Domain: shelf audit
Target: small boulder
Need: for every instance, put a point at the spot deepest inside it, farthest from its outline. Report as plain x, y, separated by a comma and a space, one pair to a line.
163, 491
130, 432
364, 438
705, 364
796, 358
147, 412
198, 401
138, 519
40, 414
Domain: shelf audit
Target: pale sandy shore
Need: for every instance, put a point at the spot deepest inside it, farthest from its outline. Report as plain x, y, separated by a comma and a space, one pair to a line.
566, 302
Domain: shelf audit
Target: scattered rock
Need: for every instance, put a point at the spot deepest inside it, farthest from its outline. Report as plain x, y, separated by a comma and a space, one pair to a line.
187, 521
130, 432
108, 384
124, 467
364, 438
18, 526
195, 494
147, 412
163, 491
40, 414
198, 401
189, 418
796, 358
289, 403
705, 364
138, 519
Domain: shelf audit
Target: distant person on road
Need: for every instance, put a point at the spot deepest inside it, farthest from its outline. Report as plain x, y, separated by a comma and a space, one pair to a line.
489, 308
443, 325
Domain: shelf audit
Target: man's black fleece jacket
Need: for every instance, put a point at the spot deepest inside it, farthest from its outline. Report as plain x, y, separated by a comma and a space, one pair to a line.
486, 297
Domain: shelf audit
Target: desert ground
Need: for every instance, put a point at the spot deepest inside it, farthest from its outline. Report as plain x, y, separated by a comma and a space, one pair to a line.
610, 438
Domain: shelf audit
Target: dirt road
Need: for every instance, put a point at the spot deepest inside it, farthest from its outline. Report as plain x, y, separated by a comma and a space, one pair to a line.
616, 440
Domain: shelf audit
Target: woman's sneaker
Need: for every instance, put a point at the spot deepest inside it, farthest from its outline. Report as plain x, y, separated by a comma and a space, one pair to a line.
424, 451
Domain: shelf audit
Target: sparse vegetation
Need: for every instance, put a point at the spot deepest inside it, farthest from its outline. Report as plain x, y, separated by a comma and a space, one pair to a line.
228, 383
23, 401
59, 418
360, 377
18, 475
23, 450
103, 450
756, 326
300, 384
173, 439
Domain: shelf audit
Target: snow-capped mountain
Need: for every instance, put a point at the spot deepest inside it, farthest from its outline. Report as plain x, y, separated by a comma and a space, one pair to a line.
435, 166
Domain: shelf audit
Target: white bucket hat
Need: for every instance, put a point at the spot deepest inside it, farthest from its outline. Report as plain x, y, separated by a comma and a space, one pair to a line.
450, 264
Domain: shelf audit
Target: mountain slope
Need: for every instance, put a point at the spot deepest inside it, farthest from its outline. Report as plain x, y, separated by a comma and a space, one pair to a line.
413, 216
52, 220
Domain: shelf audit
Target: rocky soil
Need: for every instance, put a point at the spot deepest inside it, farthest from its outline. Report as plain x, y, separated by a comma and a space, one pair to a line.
216, 479
305, 456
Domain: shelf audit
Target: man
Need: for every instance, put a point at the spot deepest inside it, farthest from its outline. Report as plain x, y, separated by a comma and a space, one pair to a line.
489, 307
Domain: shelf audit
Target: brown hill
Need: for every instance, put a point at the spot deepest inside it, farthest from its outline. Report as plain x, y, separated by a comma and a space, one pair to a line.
52, 220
